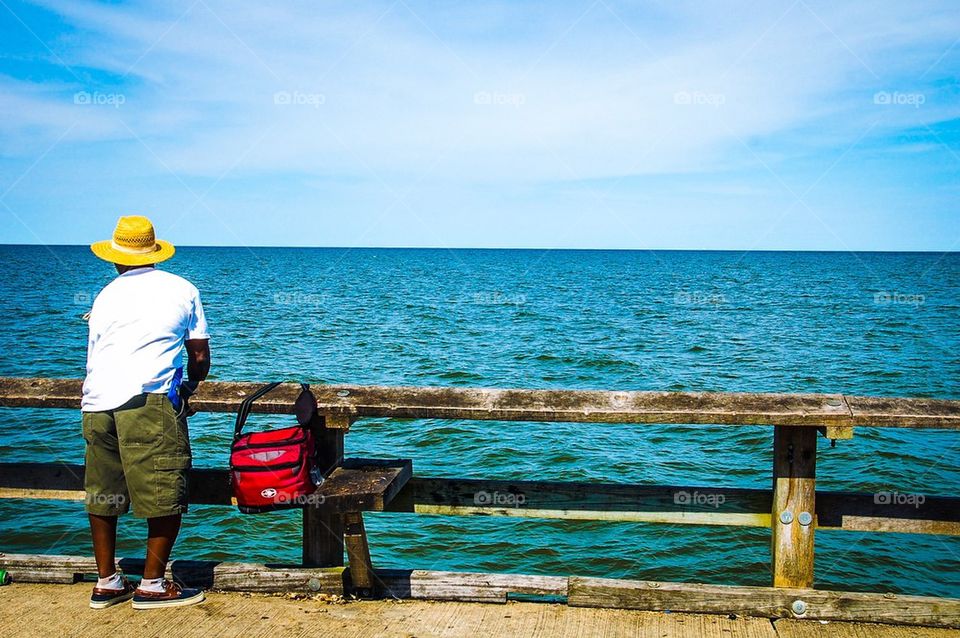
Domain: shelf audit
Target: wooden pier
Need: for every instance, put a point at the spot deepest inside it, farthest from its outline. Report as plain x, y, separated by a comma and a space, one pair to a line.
793, 509
60, 610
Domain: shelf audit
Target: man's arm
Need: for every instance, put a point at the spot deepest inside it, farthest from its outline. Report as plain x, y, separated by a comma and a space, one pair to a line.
198, 360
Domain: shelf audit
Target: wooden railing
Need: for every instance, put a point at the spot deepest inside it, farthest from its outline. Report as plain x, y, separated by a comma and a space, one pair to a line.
793, 509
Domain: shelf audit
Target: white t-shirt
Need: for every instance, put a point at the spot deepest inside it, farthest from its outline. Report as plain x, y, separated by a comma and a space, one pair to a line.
138, 324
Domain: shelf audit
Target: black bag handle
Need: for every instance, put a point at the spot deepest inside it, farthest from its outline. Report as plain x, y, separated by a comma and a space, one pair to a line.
305, 407
244, 411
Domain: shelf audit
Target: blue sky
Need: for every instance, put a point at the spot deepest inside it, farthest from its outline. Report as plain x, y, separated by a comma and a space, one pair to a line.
597, 124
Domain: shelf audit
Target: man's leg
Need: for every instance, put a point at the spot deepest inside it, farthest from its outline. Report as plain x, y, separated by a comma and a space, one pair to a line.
105, 485
161, 535
103, 529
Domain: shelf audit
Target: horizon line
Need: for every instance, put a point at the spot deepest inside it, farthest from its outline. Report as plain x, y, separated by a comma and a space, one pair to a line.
519, 248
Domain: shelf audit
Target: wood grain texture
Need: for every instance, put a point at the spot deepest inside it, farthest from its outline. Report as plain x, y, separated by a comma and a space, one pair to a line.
584, 406
29, 611
771, 602
793, 516
43, 568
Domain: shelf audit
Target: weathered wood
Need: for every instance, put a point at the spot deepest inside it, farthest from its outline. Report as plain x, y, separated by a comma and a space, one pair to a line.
358, 553
41, 568
560, 500
903, 412
793, 517
364, 484
837, 432
322, 526
586, 501
584, 406
770, 602
466, 586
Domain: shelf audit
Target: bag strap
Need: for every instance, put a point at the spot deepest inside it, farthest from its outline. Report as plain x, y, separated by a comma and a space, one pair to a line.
244, 411
305, 407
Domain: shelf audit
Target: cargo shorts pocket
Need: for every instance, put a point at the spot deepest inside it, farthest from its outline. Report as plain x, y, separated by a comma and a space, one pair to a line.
171, 473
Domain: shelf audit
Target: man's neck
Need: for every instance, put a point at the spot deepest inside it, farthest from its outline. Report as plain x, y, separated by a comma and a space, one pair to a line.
125, 269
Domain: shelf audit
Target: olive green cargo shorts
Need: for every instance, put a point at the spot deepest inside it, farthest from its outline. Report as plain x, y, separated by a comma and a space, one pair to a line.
138, 453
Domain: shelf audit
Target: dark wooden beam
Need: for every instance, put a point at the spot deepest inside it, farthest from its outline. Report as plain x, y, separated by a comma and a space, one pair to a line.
583, 406
697, 505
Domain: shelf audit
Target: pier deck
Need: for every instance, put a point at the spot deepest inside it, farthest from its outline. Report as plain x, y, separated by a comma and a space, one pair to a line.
61, 610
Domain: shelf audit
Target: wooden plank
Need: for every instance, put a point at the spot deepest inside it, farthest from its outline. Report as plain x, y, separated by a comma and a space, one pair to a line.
793, 517
322, 526
358, 552
466, 586
770, 602
912, 514
586, 501
254, 577
364, 484
584, 406
903, 413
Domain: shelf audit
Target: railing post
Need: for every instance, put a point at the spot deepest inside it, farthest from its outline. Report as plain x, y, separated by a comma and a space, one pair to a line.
794, 516
323, 530
358, 551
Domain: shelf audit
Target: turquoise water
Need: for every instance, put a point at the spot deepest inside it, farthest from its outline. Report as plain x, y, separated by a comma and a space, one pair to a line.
883, 324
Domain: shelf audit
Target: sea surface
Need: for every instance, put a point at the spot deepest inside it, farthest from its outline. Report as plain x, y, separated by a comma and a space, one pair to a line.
865, 323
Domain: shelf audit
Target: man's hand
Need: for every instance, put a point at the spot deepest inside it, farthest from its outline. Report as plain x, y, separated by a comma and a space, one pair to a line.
187, 389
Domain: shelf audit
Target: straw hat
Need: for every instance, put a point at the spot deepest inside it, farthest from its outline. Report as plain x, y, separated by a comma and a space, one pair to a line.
134, 244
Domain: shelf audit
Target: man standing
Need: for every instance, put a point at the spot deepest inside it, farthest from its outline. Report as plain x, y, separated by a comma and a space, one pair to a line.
134, 409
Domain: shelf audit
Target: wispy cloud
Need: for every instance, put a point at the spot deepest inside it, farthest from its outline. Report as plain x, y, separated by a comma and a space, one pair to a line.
504, 93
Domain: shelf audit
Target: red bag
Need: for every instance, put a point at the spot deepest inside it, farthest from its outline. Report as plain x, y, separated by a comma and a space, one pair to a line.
275, 469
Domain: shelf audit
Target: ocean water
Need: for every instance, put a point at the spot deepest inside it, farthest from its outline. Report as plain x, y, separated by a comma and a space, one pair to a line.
867, 323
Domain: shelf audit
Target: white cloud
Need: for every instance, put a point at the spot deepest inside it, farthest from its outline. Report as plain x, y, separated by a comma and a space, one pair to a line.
394, 91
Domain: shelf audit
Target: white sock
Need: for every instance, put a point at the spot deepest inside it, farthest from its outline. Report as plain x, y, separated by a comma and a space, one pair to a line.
152, 584
110, 582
